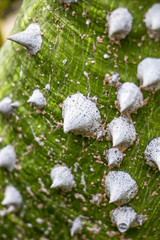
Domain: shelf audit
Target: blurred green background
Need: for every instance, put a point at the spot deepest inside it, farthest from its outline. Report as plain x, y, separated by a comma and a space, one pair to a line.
8, 12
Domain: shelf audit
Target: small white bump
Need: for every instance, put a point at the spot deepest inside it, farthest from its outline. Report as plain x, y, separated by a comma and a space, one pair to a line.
106, 56
62, 178
152, 20
29, 38
37, 99
122, 132
47, 87
119, 23
115, 79
77, 226
129, 97
7, 106
148, 72
114, 157
124, 218
152, 153
12, 197
96, 199
8, 158
120, 187
81, 116
64, 61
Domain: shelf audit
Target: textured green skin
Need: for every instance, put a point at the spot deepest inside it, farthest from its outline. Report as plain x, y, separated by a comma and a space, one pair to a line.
57, 207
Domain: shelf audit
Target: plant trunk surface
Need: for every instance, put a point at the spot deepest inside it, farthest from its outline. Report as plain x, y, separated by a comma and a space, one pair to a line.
39, 139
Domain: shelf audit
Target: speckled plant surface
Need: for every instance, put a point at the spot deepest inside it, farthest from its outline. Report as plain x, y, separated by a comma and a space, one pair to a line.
48, 213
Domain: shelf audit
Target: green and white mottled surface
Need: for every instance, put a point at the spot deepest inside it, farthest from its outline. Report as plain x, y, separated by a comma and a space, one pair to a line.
20, 74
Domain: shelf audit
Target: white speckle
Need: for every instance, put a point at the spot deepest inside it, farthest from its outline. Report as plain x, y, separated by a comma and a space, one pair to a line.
48, 8
83, 182
62, 178
124, 218
106, 56
114, 80
80, 115
152, 20
64, 61
92, 169
148, 72
119, 23
43, 189
152, 153
37, 99
94, 99
67, 75
8, 157
99, 134
140, 7
97, 198
39, 220
86, 74
47, 87
37, 139
88, 22
21, 71
114, 157
76, 165
129, 97
29, 225
122, 132
12, 197
120, 187
77, 226
30, 38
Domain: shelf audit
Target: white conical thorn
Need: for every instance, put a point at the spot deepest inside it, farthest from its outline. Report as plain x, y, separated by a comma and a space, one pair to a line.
156, 24
120, 187
158, 163
7, 106
124, 218
8, 157
12, 197
55, 183
129, 97
152, 20
119, 23
77, 226
62, 178
114, 157
122, 132
148, 72
81, 116
30, 38
113, 197
152, 153
37, 99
